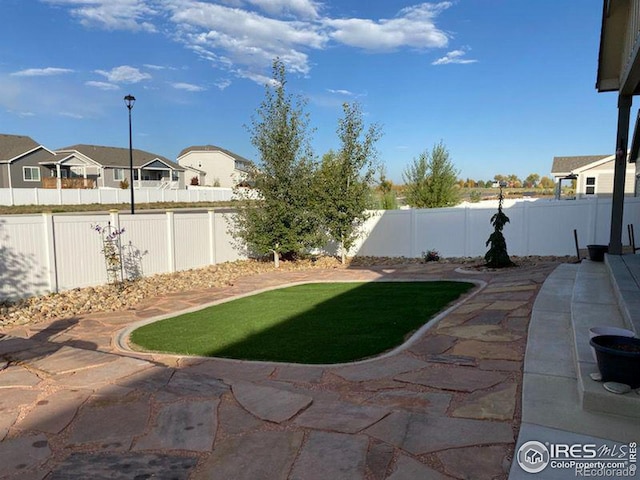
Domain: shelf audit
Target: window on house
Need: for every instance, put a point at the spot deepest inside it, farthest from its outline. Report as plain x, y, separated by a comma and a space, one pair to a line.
31, 174
118, 174
590, 186
174, 176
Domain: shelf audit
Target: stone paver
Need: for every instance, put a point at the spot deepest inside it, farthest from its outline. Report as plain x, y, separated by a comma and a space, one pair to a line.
409, 469
496, 405
82, 466
114, 422
255, 456
386, 367
17, 377
69, 359
467, 462
420, 434
182, 426
447, 377
55, 412
479, 349
331, 455
23, 453
74, 406
340, 416
268, 403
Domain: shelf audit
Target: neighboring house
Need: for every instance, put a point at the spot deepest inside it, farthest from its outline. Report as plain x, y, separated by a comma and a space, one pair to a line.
110, 166
23, 162
593, 174
221, 167
190, 173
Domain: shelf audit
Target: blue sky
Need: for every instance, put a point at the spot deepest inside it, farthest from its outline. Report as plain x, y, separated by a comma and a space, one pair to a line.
505, 84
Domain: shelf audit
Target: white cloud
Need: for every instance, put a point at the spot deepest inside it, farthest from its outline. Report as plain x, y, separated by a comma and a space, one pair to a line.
244, 41
124, 74
455, 56
242, 37
304, 8
153, 67
222, 84
41, 72
112, 14
346, 93
188, 87
412, 27
102, 85
77, 116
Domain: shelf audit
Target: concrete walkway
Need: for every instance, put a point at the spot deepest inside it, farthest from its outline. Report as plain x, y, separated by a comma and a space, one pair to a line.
73, 405
561, 403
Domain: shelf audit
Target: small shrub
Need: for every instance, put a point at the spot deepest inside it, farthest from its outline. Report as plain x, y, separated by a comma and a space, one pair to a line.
430, 256
124, 184
111, 250
195, 181
475, 196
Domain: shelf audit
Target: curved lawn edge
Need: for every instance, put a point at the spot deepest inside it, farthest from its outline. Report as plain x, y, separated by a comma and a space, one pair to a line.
123, 344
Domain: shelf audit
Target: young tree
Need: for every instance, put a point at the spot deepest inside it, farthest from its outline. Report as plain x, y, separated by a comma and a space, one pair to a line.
514, 181
532, 180
282, 220
388, 200
497, 255
431, 180
546, 182
346, 177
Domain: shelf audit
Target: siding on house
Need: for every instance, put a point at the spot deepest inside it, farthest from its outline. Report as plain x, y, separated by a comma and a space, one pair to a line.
114, 158
594, 174
603, 175
16, 152
220, 166
30, 160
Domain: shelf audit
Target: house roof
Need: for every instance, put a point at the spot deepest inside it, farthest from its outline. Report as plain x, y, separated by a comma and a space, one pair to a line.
118, 157
213, 148
618, 59
562, 165
12, 146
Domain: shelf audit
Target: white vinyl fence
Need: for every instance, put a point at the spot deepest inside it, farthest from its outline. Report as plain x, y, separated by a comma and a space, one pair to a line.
76, 196
48, 253
542, 227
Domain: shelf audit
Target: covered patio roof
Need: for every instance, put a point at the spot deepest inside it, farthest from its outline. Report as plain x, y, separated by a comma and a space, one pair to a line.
619, 71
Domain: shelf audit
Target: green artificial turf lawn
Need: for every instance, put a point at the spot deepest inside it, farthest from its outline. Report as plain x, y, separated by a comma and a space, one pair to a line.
310, 323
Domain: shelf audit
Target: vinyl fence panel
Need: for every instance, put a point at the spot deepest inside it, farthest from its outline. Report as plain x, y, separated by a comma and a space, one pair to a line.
45, 252
24, 257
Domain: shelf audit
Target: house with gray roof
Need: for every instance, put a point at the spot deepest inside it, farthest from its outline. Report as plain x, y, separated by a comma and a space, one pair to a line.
21, 162
110, 166
593, 174
221, 167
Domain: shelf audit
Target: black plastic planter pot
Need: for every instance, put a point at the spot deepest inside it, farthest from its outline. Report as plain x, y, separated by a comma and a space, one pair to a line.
596, 252
618, 359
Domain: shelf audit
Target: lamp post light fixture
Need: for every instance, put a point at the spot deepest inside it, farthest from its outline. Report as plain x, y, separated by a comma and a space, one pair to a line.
129, 100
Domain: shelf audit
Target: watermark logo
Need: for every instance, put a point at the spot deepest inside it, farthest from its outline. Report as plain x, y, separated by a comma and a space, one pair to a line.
606, 460
533, 457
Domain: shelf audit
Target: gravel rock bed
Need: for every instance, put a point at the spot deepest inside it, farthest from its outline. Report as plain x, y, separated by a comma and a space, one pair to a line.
128, 294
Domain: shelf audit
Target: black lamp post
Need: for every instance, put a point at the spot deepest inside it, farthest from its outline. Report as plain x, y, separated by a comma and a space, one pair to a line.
129, 100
